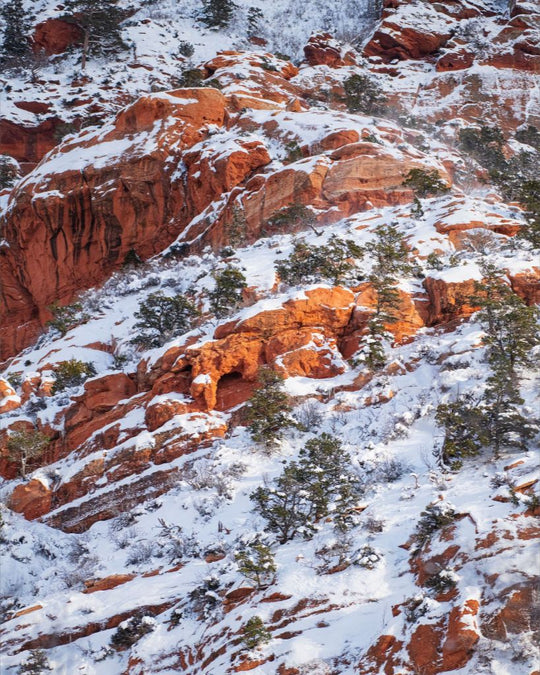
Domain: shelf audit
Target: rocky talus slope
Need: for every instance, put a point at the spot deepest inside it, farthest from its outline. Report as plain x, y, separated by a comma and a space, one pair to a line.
132, 516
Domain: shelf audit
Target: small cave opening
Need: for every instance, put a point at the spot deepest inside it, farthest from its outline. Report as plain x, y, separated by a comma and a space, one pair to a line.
232, 389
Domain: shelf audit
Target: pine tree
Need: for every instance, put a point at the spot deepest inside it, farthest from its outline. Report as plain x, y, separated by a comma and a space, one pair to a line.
511, 327
217, 13
162, 317
285, 504
254, 18
227, 293
268, 410
511, 332
255, 633
24, 446
320, 483
391, 260
528, 194
100, 22
8, 172
333, 261
71, 373
15, 48
465, 434
503, 423
390, 252
256, 562
330, 483
363, 95
425, 183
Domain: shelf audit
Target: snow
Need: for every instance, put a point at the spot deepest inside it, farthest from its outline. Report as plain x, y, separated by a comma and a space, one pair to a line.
331, 619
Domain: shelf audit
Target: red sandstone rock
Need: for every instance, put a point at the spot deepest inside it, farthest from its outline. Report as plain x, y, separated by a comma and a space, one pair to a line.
8, 397
32, 499
322, 49
101, 394
131, 216
394, 41
448, 300
158, 413
54, 36
381, 654
527, 285
461, 636
457, 59
107, 583
28, 144
424, 648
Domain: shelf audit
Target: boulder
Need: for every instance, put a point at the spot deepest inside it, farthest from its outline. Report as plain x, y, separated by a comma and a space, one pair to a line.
322, 49
103, 393
54, 36
32, 499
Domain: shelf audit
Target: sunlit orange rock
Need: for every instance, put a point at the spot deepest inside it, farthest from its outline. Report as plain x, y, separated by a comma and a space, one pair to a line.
32, 499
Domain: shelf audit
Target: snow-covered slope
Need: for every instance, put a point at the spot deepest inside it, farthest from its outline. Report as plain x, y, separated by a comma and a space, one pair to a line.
120, 547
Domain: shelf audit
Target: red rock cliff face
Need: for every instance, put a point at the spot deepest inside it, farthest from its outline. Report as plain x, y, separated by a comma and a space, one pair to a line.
74, 219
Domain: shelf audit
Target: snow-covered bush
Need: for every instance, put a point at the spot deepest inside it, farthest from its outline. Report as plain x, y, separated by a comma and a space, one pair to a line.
176, 544
367, 557
434, 518
442, 581
131, 631
36, 664
204, 598
308, 415
67, 317
141, 552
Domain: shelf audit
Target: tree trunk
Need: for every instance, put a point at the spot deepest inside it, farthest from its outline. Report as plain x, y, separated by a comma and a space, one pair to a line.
85, 49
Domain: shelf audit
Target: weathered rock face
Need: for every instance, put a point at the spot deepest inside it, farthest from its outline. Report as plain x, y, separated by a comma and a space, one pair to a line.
322, 49
456, 37
54, 36
241, 347
32, 499
409, 33
65, 219
79, 216
9, 400
28, 144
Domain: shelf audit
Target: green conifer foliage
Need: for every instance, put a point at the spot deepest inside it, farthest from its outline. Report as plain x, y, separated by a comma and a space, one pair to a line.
333, 262
464, 429
100, 22
256, 562
161, 318
391, 261
15, 46
426, 183
319, 484
363, 95
217, 13
268, 410
227, 293
255, 633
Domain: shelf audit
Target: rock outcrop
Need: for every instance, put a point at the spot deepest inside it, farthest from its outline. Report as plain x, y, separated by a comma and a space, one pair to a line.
80, 216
